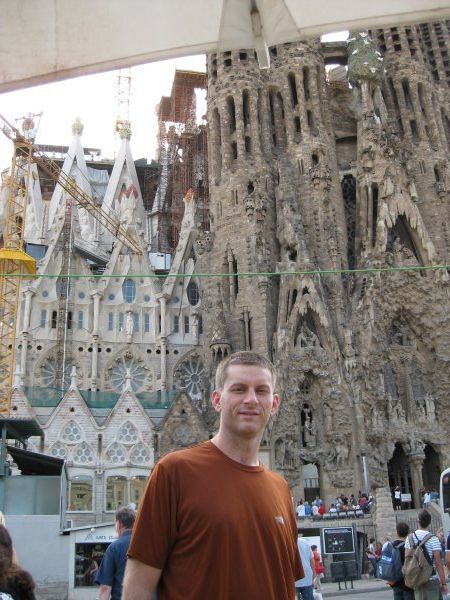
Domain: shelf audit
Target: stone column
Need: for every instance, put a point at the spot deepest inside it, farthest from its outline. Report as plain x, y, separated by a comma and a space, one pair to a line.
230, 277
265, 123
254, 126
97, 296
403, 111
418, 112
416, 465
384, 517
28, 293
240, 133
225, 138
94, 363
327, 490
163, 342
25, 335
301, 102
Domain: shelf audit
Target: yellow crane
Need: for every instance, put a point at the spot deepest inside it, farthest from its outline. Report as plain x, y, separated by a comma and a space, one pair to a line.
15, 264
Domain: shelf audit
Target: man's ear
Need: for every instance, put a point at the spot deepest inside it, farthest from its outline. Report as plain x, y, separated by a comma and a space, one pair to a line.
215, 400
275, 404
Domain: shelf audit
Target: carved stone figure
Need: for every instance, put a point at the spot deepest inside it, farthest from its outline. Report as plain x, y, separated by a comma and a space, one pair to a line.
388, 185
280, 451
430, 407
129, 323
307, 338
342, 452
309, 431
327, 419
290, 455
195, 327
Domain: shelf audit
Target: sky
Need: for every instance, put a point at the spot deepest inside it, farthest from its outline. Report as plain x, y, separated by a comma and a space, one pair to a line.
94, 100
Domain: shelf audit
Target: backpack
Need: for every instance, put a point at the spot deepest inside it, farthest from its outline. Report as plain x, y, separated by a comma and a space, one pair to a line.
390, 563
418, 567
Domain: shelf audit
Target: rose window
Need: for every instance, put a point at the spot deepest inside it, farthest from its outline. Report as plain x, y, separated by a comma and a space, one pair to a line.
140, 454
48, 373
58, 451
116, 453
71, 432
189, 377
184, 435
83, 454
128, 433
124, 365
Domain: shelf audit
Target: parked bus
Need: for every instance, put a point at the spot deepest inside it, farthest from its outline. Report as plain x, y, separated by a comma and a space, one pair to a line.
444, 499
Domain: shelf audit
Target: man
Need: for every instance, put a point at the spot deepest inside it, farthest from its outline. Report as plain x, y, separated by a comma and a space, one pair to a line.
213, 522
437, 584
112, 568
400, 589
304, 586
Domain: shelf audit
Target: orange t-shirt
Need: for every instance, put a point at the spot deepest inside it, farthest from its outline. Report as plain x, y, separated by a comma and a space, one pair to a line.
218, 529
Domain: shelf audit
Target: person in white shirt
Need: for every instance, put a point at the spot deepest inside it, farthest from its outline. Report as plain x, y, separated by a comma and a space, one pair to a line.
436, 586
304, 586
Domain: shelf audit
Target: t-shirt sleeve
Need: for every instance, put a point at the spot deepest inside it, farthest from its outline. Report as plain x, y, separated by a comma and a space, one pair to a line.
435, 543
154, 531
105, 575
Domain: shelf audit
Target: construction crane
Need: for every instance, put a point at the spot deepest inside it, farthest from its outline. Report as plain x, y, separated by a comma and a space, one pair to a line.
15, 264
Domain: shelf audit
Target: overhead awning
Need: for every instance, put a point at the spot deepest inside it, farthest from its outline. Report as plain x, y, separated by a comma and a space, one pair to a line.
20, 429
47, 41
32, 463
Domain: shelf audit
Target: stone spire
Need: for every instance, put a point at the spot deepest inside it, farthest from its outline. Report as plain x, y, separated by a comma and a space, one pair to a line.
364, 60
77, 127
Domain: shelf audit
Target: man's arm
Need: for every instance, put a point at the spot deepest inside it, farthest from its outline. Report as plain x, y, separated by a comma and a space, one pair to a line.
440, 571
447, 552
140, 581
104, 592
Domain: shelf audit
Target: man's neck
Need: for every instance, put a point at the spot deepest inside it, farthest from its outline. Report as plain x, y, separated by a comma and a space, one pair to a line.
244, 451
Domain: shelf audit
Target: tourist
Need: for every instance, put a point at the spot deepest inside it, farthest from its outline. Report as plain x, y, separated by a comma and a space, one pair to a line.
13, 579
318, 567
400, 589
436, 586
212, 515
304, 586
112, 568
397, 498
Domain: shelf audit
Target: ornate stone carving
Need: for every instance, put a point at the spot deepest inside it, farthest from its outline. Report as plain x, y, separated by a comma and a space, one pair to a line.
204, 242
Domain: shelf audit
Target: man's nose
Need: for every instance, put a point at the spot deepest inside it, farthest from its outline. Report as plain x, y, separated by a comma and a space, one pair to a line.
251, 396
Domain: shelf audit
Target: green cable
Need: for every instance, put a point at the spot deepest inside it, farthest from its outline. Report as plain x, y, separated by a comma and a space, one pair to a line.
239, 274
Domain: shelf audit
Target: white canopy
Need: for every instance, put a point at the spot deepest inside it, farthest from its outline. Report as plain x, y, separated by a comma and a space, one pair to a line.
51, 40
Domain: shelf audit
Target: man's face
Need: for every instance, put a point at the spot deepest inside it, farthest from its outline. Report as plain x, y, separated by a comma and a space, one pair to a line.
246, 401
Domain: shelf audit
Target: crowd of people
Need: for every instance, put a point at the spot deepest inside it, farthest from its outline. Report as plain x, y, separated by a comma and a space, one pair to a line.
341, 506
436, 553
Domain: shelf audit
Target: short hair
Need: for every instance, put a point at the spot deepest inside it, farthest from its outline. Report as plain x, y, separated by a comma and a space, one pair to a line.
424, 518
313, 547
243, 357
402, 529
125, 516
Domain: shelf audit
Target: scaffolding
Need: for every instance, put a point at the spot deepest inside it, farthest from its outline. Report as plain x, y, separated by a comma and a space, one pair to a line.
183, 158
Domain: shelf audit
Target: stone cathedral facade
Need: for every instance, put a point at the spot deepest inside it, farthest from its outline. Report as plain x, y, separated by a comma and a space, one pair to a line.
313, 173
329, 222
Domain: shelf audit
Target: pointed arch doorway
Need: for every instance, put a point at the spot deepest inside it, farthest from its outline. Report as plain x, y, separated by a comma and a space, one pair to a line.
431, 470
399, 474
